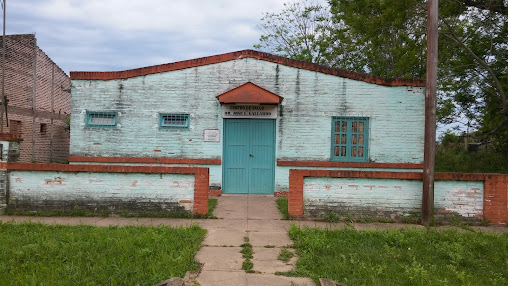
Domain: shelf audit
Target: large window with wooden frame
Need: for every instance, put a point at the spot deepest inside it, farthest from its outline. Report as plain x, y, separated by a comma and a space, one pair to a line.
350, 139
100, 119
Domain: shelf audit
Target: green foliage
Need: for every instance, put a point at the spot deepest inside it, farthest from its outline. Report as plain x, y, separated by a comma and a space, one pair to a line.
402, 257
331, 217
285, 255
300, 31
412, 218
247, 251
282, 206
36, 254
448, 139
458, 160
247, 265
387, 38
247, 254
67, 123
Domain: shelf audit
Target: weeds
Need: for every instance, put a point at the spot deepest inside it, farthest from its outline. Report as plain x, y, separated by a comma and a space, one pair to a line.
331, 217
285, 255
247, 254
282, 206
412, 218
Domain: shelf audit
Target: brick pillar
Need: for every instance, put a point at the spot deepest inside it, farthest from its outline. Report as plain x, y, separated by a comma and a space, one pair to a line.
295, 197
201, 182
495, 207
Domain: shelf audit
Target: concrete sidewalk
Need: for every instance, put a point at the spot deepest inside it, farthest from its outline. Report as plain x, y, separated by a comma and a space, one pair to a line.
257, 218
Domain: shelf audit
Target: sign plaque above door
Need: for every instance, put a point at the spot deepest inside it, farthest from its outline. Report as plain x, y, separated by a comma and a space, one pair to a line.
260, 111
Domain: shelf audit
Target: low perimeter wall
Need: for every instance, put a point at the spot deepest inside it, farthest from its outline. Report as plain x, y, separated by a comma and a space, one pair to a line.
115, 188
314, 193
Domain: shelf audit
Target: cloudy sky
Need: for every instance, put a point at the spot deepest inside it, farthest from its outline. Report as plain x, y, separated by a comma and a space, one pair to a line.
108, 35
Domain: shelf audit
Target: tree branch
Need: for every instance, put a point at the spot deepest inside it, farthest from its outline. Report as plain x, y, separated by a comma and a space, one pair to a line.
451, 34
491, 5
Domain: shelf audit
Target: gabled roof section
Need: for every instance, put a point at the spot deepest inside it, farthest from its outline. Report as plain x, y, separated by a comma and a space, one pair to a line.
249, 93
245, 54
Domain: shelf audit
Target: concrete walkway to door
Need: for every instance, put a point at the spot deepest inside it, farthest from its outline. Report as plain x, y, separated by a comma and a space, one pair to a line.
257, 218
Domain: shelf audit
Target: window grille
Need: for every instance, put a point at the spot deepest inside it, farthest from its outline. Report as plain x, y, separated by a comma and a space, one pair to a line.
177, 121
350, 139
100, 119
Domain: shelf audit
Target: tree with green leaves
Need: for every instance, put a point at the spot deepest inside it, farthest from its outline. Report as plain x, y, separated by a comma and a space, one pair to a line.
301, 31
387, 38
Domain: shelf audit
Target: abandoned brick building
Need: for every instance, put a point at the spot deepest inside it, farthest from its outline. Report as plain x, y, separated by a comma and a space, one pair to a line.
38, 94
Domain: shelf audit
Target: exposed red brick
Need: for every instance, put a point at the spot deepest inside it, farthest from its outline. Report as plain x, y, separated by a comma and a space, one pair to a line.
348, 164
495, 199
281, 194
295, 196
10, 137
201, 191
51, 105
239, 55
215, 193
145, 160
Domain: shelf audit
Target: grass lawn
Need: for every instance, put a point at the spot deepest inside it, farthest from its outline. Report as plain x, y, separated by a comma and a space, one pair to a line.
402, 257
36, 254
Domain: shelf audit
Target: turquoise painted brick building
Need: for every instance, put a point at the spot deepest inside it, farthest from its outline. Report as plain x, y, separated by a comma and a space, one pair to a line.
249, 117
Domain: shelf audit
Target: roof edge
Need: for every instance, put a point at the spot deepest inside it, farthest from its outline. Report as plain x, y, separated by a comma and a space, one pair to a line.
80, 75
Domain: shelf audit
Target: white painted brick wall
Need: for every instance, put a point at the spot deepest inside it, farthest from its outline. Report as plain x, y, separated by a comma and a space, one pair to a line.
113, 191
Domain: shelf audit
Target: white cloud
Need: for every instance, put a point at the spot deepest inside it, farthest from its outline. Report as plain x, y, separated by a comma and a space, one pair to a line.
124, 34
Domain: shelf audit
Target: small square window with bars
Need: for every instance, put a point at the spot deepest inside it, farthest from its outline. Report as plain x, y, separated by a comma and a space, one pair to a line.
100, 119
176, 121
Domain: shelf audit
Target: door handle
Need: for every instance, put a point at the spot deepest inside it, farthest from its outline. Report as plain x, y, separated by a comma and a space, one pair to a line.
250, 155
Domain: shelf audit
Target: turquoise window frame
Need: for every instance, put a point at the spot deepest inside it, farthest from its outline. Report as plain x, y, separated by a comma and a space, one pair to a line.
348, 143
91, 115
176, 117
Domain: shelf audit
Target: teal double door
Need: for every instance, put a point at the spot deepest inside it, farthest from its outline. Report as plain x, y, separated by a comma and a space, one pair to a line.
249, 156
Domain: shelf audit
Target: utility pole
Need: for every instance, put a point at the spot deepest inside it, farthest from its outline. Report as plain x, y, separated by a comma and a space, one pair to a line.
430, 113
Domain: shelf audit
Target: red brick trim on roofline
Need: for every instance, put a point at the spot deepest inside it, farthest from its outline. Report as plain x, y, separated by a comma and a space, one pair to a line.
147, 160
495, 195
77, 75
201, 175
348, 164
